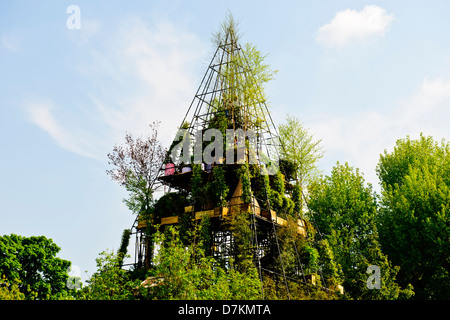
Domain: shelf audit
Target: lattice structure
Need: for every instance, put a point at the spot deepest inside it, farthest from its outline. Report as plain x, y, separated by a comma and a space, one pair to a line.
228, 98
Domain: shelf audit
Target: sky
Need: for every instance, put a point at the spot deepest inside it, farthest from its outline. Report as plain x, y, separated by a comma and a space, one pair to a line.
74, 80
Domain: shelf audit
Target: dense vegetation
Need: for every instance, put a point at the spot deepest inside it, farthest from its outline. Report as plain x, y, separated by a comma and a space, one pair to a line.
404, 232
29, 269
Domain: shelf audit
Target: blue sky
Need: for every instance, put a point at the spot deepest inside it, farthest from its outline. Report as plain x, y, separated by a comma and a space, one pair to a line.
360, 75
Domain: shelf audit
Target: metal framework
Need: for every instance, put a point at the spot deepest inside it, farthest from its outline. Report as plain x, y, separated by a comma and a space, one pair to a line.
223, 89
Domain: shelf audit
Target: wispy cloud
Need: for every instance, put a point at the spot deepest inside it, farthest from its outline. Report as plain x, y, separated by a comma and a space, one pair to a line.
351, 26
361, 138
42, 114
10, 42
159, 62
136, 74
428, 108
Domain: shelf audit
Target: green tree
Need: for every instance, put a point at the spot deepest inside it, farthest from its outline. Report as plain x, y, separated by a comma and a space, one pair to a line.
300, 155
198, 193
240, 227
181, 273
414, 222
344, 210
244, 75
31, 264
300, 148
330, 269
9, 290
276, 192
110, 281
243, 173
300, 259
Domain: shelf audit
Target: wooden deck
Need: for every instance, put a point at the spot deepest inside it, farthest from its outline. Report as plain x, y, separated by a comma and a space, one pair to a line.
235, 206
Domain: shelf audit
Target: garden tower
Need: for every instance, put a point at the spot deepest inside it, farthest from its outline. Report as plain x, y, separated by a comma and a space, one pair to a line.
223, 165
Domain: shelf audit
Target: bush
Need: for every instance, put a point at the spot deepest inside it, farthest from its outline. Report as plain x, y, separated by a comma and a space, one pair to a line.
187, 273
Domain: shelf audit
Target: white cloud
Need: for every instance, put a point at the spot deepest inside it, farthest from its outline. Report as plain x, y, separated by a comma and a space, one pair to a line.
350, 26
358, 140
428, 109
42, 115
361, 138
432, 94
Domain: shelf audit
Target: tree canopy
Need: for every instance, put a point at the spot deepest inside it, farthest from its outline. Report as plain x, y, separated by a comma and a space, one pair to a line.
414, 219
300, 148
402, 235
30, 265
344, 210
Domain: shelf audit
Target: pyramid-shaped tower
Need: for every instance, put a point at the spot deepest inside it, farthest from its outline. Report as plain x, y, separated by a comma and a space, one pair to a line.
205, 175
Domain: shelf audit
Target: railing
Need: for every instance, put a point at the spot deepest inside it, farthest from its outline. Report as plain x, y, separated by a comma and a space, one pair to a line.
222, 212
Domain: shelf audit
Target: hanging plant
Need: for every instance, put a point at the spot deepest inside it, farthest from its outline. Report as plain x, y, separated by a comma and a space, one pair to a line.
278, 183
260, 184
197, 186
297, 198
170, 204
220, 186
288, 206
244, 175
204, 237
276, 201
186, 227
287, 167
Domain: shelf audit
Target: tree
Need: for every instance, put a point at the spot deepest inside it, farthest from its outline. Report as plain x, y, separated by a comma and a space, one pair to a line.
136, 166
299, 146
303, 260
414, 222
242, 248
299, 155
344, 210
110, 281
9, 290
30, 264
244, 76
187, 273
330, 269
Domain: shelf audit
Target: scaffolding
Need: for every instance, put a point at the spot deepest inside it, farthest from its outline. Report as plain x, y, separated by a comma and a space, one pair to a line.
229, 92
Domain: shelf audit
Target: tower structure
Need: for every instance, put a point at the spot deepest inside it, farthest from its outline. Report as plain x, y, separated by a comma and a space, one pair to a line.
224, 163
